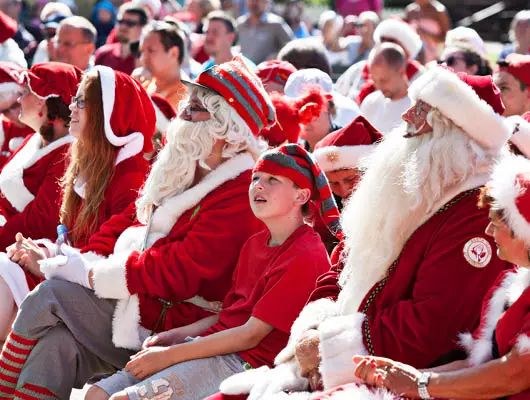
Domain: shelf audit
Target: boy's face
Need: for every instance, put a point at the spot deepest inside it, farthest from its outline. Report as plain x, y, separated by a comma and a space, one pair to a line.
274, 196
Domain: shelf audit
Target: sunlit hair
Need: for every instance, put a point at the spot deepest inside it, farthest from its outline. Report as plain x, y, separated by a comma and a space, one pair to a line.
92, 159
406, 180
189, 144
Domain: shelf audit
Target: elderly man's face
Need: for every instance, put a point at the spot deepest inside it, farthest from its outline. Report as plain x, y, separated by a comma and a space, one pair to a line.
194, 111
73, 47
416, 119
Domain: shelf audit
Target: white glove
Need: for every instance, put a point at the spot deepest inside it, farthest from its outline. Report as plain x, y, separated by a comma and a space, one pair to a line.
281, 378
70, 266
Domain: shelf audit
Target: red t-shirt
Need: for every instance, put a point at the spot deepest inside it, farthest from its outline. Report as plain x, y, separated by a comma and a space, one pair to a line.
273, 285
110, 56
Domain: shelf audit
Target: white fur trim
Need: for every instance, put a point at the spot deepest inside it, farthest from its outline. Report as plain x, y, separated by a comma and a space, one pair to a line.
126, 324
455, 99
11, 177
332, 158
243, 382
520, 129
162, 122
340, 339
14, 277
362, 392
172, 208
131, 144
523, 344
9, 87
9, 51
311, 316
109, 277
513, 285
505, 191
14, 143
401, 32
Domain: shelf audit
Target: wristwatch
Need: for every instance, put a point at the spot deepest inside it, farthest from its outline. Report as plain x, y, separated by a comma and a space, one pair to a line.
423, 381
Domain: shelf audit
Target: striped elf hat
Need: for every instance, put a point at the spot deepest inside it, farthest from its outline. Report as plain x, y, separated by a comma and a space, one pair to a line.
242, 89
295, 163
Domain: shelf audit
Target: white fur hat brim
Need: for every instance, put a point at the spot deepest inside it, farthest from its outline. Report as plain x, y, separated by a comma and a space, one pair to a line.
402, 33
520, 129
333, 158
455, 99
9, 88
506, 190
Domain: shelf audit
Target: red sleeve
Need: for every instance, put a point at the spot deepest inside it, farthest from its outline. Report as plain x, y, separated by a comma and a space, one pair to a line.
415, 330
40, 217
288, 287
176, 269
327, 285
366, 89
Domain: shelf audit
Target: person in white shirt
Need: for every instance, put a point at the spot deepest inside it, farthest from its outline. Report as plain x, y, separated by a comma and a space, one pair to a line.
383, 108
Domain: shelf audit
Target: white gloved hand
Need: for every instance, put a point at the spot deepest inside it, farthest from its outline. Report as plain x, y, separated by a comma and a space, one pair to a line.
70, 266
283, 377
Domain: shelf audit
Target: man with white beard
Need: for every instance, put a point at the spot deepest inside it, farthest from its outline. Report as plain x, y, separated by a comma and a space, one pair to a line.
169, 266
417, 262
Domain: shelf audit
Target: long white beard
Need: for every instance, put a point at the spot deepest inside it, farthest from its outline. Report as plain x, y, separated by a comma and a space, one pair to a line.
188, 145
406, 181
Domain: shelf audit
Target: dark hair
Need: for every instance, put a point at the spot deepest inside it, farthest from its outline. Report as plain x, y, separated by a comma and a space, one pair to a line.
472, 58
305, 53
138, 11
56, 110
226, 19
170, 36
486, 200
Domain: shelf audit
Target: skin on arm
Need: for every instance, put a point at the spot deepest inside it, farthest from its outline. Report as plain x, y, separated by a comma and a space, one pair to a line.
154, 359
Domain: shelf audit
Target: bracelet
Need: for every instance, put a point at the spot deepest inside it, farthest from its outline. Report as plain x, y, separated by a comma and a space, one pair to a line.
423, 381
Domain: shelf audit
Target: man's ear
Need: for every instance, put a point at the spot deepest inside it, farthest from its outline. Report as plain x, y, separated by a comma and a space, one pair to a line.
175, 52
302, 196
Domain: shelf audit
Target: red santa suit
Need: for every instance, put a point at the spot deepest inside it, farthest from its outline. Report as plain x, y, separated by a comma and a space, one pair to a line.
190, 254
11, 138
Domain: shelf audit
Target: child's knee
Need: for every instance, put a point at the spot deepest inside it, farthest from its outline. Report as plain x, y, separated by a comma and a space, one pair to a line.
96, 393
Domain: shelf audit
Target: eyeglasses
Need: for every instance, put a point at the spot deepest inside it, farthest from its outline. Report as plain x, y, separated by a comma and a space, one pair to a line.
78, 101
127, 22
12, 107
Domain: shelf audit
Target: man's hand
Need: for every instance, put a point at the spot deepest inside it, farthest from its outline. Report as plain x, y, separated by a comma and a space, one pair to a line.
149, 361
167, 338
308, 356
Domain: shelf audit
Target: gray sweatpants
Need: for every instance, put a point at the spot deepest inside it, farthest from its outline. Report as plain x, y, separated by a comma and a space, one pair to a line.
73, 329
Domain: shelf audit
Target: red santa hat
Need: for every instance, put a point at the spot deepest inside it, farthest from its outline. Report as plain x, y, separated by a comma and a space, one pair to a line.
9, 78
8, 27
399, 31
52, 79
471, 102
517, 65
520, 128
287, 126
164, 111
295, 163
510, 188
275, 71
242, 89
129, 115
344, 148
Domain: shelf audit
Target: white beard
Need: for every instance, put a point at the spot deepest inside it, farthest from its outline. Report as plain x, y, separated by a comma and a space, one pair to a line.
406, 181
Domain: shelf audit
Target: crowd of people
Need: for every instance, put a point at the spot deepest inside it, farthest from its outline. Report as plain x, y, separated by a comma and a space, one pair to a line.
212, 201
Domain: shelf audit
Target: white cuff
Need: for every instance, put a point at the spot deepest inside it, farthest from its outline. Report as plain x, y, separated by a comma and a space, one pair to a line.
109, 277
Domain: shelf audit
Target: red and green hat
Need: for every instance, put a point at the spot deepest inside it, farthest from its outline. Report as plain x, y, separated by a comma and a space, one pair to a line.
295, 163
242, 89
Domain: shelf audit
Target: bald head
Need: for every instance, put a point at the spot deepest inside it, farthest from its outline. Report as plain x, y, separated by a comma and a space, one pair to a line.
388, 65
390, 54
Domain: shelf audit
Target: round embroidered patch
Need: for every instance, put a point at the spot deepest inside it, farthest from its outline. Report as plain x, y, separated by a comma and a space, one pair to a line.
477, 252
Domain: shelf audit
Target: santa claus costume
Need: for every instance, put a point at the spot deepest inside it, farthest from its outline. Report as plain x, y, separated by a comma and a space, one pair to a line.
9, 50
415, 248
12, 133
167, 266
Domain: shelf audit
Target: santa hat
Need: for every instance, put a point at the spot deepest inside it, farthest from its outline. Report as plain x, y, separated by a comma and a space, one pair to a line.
462, 39
510, 188
129, 115
295, 163
8, 27
287, 126
52, 79
153, 7
401, 32
9, 78
242, 89
275, 71
302, 80
520, 128
517, 65
344, 148
471, 102
164, 112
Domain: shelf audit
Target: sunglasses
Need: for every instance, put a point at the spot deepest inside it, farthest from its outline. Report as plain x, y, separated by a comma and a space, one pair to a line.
128, 23
452, 60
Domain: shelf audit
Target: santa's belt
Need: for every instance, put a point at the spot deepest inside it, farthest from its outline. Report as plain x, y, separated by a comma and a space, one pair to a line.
199, 301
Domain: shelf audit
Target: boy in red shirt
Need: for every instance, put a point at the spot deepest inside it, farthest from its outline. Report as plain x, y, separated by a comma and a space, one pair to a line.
275, 274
